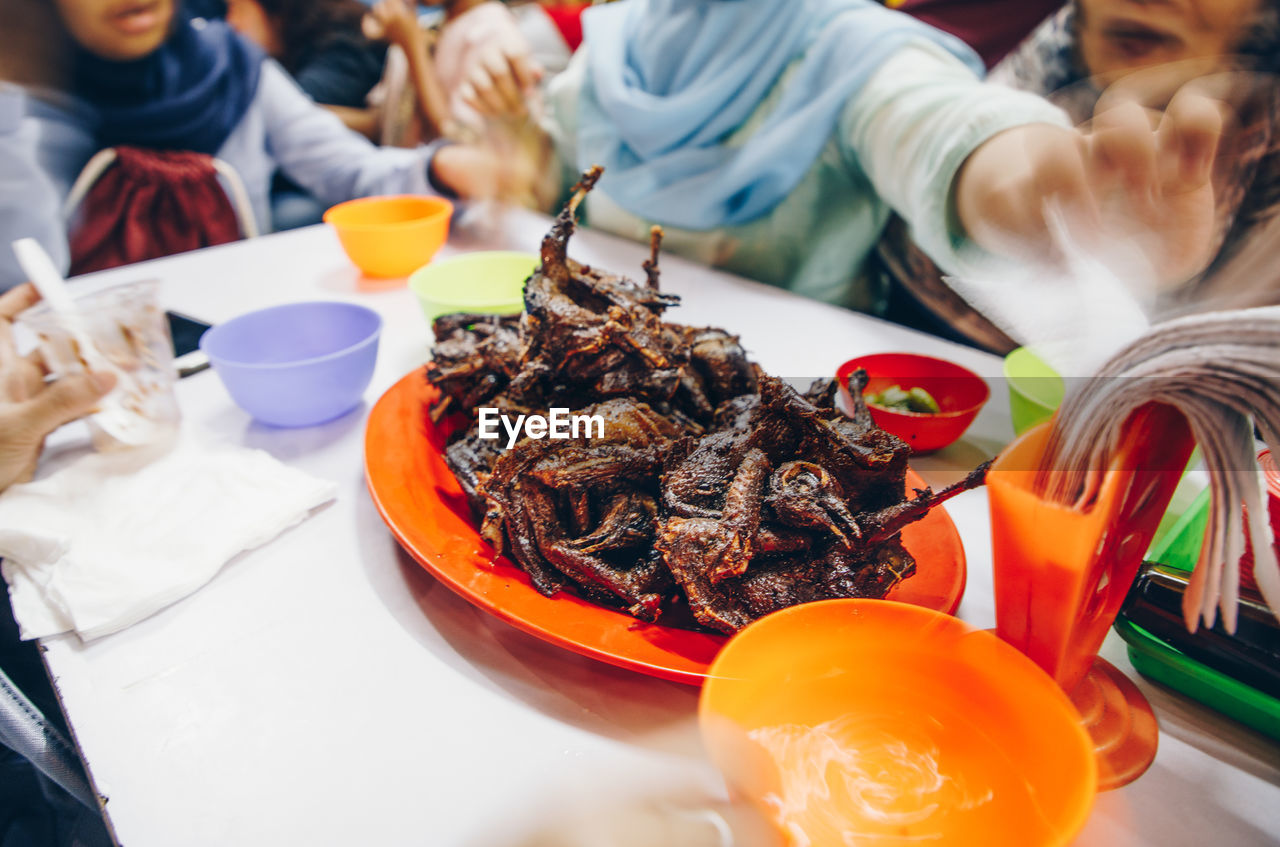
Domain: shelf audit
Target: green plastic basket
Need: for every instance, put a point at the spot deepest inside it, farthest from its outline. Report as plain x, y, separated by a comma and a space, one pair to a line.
1155, 658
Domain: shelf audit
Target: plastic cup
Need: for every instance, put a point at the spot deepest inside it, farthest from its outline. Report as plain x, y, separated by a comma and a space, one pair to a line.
1271, 474
129, 330
1062, 573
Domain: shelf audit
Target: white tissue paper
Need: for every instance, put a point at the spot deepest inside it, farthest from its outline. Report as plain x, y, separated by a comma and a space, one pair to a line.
114, 537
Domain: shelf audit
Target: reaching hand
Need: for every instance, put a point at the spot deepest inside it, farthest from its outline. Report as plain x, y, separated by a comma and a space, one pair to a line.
393, 21
30, 409
1124, 180
511, 163
501, 79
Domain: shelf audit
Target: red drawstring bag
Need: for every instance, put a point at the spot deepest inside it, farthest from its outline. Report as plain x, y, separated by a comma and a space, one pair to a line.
148, 204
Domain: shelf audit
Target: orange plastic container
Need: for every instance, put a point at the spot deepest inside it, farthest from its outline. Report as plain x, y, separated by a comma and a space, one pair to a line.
393, 236
1061, 574
850, 720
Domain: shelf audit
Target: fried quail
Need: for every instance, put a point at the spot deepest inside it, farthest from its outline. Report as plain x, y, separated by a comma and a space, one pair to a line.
584, 511
713, 485
835, 494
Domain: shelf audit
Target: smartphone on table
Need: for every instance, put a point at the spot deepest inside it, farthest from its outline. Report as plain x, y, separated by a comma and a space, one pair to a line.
185, 332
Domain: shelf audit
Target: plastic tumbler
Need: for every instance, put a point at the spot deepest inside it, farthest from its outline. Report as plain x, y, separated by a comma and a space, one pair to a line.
1062, 573
127, 326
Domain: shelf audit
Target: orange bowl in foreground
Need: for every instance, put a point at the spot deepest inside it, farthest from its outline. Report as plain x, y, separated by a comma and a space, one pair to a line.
959, 392
846, 721
391, 236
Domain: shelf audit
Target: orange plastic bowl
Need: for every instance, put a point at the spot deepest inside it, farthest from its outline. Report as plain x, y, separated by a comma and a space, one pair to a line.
852, 721
959, 392
391, 236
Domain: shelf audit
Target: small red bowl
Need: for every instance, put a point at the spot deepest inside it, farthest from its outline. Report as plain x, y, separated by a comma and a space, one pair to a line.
959, 392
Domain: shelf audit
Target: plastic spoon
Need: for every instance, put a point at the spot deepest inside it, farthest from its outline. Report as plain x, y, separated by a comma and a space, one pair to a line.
122, 424
53, 290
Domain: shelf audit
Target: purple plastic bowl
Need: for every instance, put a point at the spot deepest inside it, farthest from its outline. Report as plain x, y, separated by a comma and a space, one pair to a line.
298, 364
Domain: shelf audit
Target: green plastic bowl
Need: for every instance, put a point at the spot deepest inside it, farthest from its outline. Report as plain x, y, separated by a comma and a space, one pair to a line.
1035, 389
488, 283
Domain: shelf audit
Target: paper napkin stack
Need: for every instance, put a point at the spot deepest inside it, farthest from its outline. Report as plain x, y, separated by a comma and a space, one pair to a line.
115, 537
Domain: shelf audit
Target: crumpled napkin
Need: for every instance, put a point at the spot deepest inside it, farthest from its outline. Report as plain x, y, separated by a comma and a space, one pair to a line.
114, 537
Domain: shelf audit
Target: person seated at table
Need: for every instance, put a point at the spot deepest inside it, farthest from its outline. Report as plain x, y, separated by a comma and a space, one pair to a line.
30, 55
1140, 51
145, 77
772, 138
324, 46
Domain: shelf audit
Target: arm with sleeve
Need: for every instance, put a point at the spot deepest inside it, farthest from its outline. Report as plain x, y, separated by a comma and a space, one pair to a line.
912, 127
29, 205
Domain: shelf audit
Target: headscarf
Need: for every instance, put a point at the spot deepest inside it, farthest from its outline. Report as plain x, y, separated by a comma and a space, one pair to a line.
670, 80
187, 95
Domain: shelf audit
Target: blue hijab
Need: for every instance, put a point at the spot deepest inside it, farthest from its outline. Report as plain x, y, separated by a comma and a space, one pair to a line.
187, 95
669, 80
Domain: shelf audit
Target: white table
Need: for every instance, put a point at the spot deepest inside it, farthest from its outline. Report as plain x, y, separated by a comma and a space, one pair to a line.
324, 690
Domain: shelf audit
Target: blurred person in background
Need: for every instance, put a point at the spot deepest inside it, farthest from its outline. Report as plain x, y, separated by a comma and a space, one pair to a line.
1127, 48
337, 57
142, 77
485, 63
324, 47
773, 139
321, 45
1093, 52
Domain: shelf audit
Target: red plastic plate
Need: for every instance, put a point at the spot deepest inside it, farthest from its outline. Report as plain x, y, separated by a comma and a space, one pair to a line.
426, 511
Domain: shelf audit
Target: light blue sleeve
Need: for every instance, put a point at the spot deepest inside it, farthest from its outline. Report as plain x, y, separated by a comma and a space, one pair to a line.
314, 149
29, 204
912, 127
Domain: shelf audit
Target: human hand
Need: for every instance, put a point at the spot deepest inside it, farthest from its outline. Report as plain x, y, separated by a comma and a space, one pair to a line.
394, 21
30, 409
502, 77
1127, 179
510, 163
